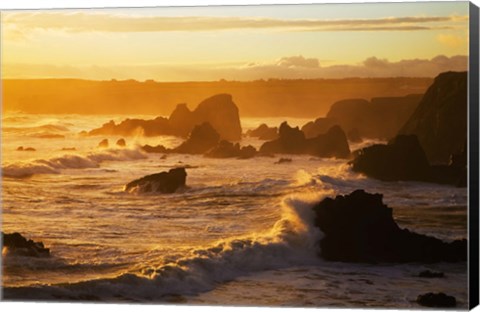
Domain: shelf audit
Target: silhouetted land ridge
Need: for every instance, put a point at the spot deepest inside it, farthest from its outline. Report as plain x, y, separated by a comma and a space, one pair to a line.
270, 98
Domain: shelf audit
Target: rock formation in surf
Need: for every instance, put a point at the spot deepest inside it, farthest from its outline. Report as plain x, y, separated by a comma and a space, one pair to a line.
403, 159
380, 118
202, 138
333, 143
226, 149
358, 227
440, 120
436, 300
264, 132
16, 244
219, 111
121, 143
163, 182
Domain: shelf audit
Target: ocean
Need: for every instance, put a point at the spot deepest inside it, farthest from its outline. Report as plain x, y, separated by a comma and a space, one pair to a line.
240, 233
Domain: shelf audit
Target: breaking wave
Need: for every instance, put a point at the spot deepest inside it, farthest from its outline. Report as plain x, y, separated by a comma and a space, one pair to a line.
291, 241
69, 161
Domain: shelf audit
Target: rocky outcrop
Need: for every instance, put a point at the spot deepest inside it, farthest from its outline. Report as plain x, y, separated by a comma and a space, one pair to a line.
319, 126
16, 244
154, 149
403, 159
440, 120
333, 143
121, 143
380, 118
264, 132
225, 149
358, 227
202, 138
219, 110
163, 182
439, 300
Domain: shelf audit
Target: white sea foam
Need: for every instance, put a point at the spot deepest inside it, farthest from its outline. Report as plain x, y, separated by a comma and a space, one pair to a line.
69, 161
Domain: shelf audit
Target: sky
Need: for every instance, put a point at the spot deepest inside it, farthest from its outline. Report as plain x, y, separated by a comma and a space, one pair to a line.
237, 43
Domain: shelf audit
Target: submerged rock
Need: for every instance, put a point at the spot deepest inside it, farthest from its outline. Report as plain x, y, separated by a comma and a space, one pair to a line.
163, 182
283, 161
359, 228
25, 149
439, 300
16, 244
430, 274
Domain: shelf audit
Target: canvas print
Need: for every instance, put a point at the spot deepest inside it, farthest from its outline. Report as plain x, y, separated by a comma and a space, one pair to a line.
275, 155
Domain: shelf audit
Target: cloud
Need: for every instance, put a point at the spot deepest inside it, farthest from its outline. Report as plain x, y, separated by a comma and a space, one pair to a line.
293, 67
298, 61
102, 22
451, 41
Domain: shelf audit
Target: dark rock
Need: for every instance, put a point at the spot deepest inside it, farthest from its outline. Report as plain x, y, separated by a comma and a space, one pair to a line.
201, 139
354, 136
19, 245
283, 161
164, 156
225, 149
264, 132
69, 149
20, 148
321, 125
333, 143
129, 127
359, 228
103, 143
121, 142
163, 182
380, 118
430, 274
440, 120
154, 149
26, 149
439, 300
403, 159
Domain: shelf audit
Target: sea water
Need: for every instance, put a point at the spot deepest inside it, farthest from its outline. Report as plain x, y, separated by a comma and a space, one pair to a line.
240, 233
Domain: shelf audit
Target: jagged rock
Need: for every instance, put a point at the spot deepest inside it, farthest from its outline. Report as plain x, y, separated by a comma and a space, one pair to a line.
19, 245
201, 139
359, 228
163, 182
403, 159
103, 143
333, 143
440, 120
439, 300
121, 142
264, 132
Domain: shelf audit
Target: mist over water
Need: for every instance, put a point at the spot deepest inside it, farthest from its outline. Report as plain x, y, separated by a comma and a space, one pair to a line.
241, 232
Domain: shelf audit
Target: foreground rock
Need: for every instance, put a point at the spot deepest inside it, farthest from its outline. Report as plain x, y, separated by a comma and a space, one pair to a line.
403, 159
440, 120
219, 111
439, 300
333, 143
359, 228
163, 182
264, 132
16, 244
